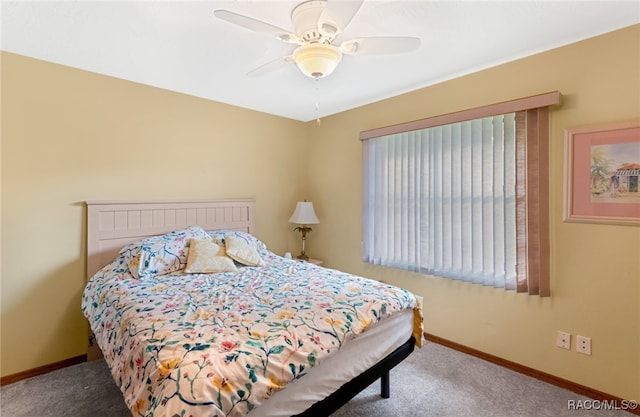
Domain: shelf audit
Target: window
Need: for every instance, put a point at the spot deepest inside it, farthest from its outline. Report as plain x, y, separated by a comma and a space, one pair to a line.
463, 196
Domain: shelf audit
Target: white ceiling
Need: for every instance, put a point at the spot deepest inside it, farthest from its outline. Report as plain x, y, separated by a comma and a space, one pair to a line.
181, 46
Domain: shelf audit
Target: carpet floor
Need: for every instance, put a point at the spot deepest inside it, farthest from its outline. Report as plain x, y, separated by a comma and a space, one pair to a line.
434, 381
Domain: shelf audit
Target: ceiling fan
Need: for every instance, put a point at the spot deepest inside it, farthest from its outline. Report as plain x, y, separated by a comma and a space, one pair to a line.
317, 24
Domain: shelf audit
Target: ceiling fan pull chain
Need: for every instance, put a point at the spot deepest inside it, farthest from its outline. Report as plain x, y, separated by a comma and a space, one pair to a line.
318, 114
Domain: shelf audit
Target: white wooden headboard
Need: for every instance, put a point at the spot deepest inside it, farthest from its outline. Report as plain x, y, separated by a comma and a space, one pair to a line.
113, 224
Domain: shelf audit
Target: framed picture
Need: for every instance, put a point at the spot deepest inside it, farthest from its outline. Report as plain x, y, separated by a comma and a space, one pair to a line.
602, 174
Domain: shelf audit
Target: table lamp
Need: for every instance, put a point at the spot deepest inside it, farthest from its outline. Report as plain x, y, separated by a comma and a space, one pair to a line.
304, 215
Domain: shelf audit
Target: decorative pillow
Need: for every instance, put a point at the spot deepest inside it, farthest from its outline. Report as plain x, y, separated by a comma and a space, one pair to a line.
161, 255
219, 235
240, 251
205, 256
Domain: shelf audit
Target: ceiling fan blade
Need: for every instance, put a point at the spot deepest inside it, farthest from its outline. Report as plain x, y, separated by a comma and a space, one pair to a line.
337, 15
379, 45
271, 66
257, 26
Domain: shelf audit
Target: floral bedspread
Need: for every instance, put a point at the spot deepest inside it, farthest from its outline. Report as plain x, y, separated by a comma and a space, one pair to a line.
221, 344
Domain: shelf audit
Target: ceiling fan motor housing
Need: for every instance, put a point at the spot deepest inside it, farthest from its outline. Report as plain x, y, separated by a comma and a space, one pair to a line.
305, 18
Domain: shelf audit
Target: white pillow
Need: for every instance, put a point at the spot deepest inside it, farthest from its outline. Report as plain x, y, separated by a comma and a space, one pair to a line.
241, 251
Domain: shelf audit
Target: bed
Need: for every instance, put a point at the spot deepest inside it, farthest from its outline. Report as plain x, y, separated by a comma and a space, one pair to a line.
261, 336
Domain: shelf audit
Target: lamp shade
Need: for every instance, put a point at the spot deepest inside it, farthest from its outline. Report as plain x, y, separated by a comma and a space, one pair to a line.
317, 60
304, 214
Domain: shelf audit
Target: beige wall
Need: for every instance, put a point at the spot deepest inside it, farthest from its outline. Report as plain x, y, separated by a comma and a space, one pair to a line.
69, 136
595, 268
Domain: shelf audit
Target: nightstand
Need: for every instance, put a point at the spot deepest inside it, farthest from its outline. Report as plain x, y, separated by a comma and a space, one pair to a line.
311, 261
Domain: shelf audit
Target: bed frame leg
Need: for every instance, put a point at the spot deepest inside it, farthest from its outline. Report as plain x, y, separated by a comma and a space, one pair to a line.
384, 385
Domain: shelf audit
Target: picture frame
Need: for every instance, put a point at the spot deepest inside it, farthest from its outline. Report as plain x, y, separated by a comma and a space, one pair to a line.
602, 174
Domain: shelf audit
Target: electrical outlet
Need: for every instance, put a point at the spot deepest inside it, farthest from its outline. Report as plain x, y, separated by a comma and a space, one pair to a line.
583, 345
563, 340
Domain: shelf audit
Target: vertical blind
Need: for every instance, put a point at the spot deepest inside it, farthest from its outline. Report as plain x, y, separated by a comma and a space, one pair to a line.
463, 195
442, 200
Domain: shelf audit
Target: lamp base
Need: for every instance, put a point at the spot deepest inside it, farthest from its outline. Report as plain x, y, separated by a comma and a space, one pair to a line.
302, 257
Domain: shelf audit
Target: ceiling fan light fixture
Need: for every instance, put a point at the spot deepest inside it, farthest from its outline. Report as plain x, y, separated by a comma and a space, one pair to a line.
317, 60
